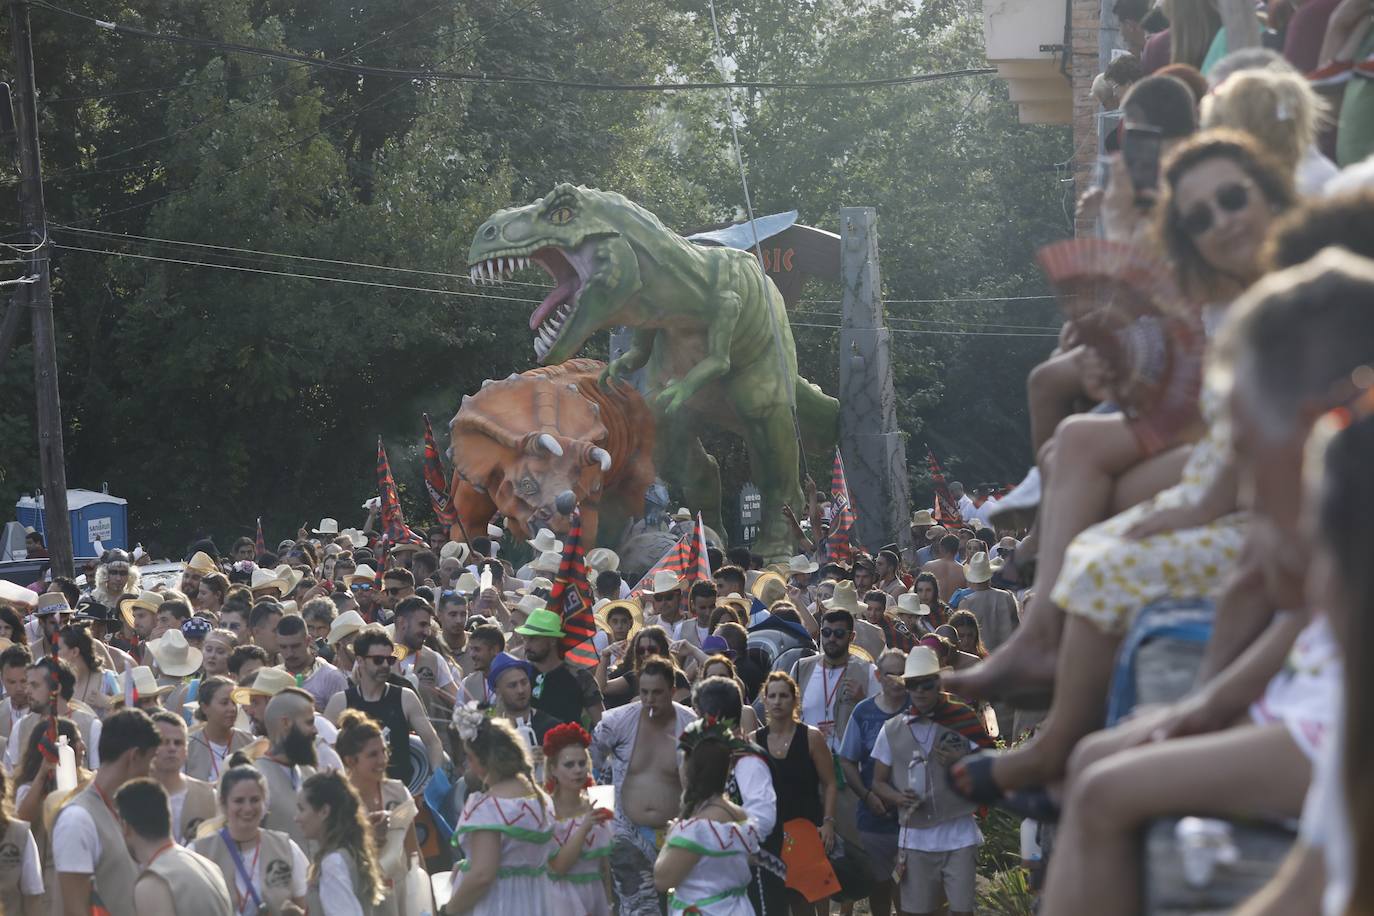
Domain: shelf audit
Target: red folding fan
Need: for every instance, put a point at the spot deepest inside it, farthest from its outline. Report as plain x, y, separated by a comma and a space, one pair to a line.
1126, 306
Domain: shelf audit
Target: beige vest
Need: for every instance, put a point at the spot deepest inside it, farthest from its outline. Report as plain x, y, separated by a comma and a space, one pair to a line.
317, 906
857, 670
196, 884
869, 637
201, 762
281, 797
84, 721
200, 806
115, 872
939, 802
12, 845
274, 863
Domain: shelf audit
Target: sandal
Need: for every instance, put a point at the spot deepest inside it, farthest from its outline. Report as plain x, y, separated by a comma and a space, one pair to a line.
1034, 803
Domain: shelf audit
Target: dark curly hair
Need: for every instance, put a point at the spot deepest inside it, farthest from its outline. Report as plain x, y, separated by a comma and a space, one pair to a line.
1346, 220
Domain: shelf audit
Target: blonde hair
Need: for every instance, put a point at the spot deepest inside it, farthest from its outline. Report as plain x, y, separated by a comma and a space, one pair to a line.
1278, 109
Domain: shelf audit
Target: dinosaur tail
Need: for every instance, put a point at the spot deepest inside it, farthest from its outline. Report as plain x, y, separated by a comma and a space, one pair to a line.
818, 416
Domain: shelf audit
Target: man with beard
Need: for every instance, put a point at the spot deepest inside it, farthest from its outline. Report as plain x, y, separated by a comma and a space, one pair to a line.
453, 621
89, 856
485, 642
262, 626
45, 700
191, 801
114, 577
313, 674
14, 668
257, 689
832, 684
290, 759
414, 623
196, 568
139, 614
510, 679
558, 690
397, 709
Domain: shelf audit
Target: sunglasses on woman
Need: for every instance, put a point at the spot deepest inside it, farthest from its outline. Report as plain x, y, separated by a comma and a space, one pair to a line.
1231, 198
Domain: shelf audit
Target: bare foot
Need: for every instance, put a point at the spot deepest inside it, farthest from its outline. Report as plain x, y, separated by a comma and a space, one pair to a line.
1021, 669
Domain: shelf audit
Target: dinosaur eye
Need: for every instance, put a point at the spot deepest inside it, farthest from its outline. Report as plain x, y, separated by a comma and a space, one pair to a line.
528, 486
560, 216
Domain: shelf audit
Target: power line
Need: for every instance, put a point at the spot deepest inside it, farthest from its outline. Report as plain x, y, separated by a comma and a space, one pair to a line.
985, 324
297, 276
469, 77
836, 327
936, 301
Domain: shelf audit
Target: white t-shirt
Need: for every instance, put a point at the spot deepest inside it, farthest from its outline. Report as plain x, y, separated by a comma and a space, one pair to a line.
1326, 820
75, 844
958, 833
13, 751
337, 896
821, 694
30, 869
176, 803
443, 677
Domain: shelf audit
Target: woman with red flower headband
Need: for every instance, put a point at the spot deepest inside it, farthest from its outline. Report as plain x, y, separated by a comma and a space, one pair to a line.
580, 868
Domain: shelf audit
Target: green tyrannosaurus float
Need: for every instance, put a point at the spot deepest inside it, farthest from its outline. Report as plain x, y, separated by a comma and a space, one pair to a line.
702, 327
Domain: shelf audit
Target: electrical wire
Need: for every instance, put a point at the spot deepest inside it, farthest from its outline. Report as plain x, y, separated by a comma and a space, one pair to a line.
935, 301
984, 324
469, 77
836, 327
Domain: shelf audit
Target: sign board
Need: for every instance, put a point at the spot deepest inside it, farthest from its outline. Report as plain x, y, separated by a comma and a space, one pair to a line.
750, 513
99, 529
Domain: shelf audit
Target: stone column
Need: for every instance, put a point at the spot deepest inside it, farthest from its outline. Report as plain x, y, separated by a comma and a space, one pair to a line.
873, 450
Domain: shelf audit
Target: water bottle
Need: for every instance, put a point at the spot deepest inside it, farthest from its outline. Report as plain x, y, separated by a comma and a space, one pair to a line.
1030, 846
916, 775
528, 734
66, 765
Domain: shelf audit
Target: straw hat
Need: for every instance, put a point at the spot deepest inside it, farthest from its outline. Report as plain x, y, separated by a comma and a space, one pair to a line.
921, 661
407, 546
329, 526
665, 581
355, 537
846, 598
267, 579
363, 575
52, 603
456, 550
768, 587
683, 514
346, 624
602, 559
546, 542
267, 683
922, 518
908, 603
603, 609
291, 578
148, 601
175, 656
200, 562
467, 583
802, 565
980, 569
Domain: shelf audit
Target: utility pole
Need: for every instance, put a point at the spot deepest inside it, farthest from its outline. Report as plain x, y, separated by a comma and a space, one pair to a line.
37, 297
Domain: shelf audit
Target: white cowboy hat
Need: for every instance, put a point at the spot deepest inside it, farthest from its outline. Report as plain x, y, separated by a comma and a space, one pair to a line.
922, 518
328, 526
145, 685
921, 661
548, 562
346, 624
202, 563
665, 581
801, 564
546, 542
683, 514
175, 656
908, 603
292, 577
467, 583
537, 582
456, 550
268, 578
845, 598
355, 537
980, 569
602, 559
363, 575
529, 604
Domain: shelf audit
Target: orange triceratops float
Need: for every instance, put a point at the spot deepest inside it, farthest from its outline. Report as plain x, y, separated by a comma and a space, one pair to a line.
520, 444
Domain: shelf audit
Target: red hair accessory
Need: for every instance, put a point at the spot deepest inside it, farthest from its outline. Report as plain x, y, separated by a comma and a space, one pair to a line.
565, 735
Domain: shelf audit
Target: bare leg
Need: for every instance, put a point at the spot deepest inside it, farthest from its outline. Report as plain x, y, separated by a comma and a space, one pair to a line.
1050, 392
1239, 771
1092, 455
1243, 612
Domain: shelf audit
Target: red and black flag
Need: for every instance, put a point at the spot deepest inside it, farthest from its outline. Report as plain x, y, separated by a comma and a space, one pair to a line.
677, 560
394, 527
838, 544
698, 563
436, 481
947, 511
571, 599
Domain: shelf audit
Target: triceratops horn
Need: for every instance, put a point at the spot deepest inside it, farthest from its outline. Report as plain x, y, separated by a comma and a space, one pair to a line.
602, 457
550, 445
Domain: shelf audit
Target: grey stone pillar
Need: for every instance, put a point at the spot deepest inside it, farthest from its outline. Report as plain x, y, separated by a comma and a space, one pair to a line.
873, 450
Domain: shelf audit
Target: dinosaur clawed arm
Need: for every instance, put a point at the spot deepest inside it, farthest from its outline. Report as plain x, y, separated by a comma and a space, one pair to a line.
716, 363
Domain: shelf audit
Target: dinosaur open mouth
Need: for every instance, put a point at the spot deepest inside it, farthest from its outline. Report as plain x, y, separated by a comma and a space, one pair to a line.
559, 305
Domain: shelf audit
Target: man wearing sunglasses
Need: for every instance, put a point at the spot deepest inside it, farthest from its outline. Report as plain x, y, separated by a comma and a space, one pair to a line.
397, 585
939, 839
833, 683
362, 585
397, 709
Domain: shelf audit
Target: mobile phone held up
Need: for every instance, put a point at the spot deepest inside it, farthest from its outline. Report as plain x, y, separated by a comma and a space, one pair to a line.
1140, 148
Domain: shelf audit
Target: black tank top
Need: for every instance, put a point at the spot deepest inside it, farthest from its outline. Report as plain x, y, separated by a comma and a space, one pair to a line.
391, 716
795, 780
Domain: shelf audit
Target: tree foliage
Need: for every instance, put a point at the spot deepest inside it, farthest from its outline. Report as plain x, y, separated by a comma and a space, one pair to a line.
208, 397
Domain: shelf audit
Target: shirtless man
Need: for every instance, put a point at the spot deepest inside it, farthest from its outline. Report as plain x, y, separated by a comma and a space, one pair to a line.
945, 568
640, 739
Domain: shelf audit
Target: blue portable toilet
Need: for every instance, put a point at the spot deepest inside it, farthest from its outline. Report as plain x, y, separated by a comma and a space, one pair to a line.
95, 517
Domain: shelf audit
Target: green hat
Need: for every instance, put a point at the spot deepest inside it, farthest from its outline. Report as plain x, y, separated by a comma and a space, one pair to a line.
542, 622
